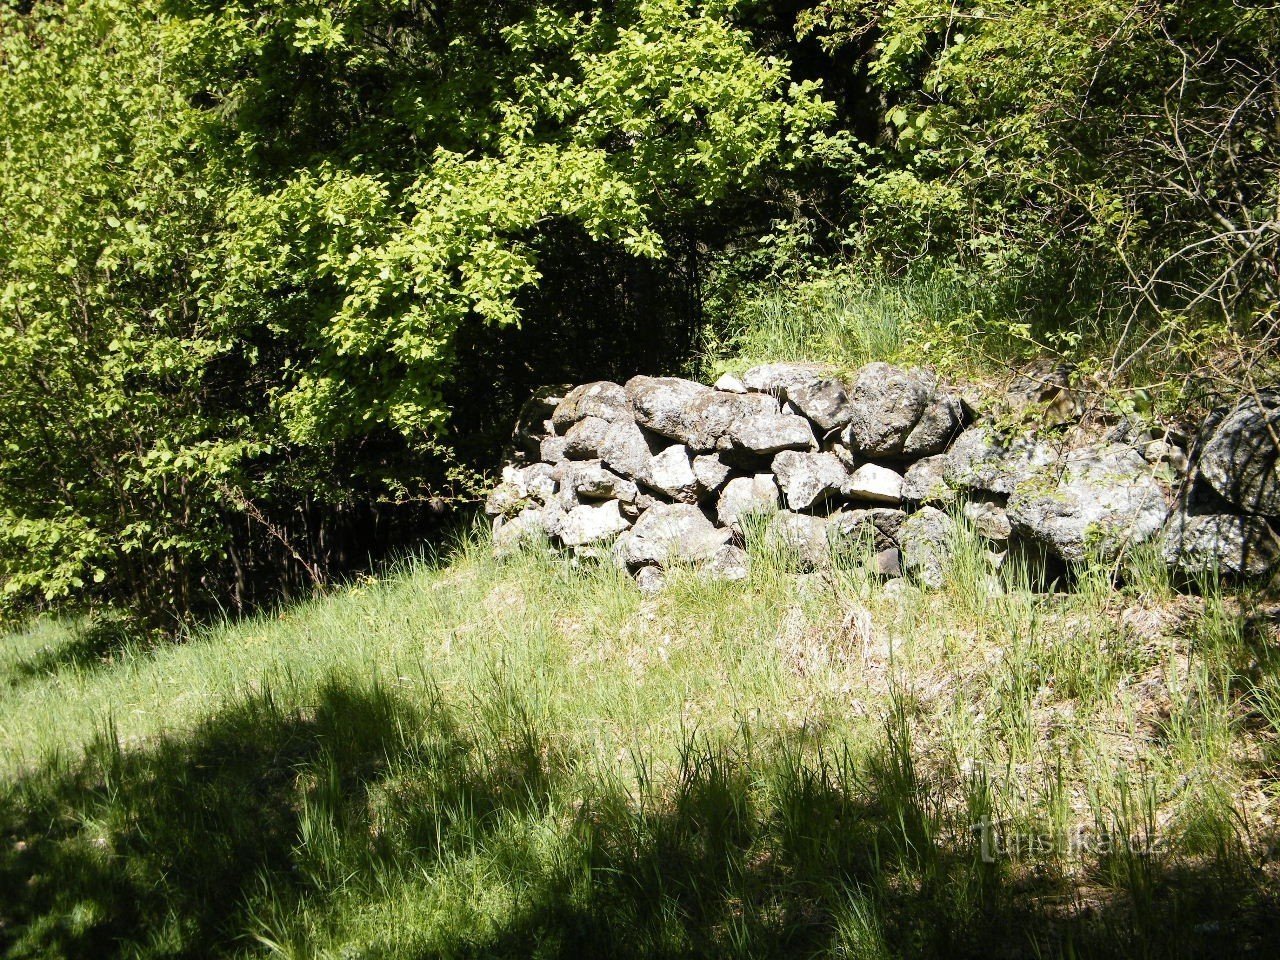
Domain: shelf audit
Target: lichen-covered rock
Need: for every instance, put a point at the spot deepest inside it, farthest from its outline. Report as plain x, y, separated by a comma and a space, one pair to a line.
521, 487
591, 481
1225, 543
780, 378
875, 483
808, 478
552, 449
671, 473
879, 526
1241, 458
712, 472
988, 519
626, 450
766, 434
682, 410
592, 523
825, 401
530, 525
800, 536
670, 533
730, 384
585, 438
979, 460
925, 540
651, 580
729, 563
747, 495
602, 399
886, 403
533, 423
1096, 502
937, 427
925, 481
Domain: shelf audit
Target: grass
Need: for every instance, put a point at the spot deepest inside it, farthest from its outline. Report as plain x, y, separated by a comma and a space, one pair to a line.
527, 758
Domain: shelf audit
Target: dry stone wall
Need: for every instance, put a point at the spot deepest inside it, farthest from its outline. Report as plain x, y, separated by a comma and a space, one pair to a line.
885, 461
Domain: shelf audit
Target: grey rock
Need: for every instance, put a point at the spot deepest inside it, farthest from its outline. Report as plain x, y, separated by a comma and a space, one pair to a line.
602, 399
712, 472
585, 438
626, 450
520, 487
825, 401
925, 540
765, 434
533, 423
1226, 543
651, 580
808, 478
671, 473
730, 384
886, 404
729, 563
780, 378
874, 483
669, 533
979, 460
747, 495
938, 426
878, 526
888, 562
590, 481
592, 523
552, 449
800, 536
1241, 458
988, 519
1163, 452
1096, 501
531, 525
925, 481
682, 410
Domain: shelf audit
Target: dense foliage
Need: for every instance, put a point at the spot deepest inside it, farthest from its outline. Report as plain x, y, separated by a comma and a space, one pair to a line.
262, 257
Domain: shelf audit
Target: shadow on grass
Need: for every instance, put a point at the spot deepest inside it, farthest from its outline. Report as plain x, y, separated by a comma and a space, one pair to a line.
182, 847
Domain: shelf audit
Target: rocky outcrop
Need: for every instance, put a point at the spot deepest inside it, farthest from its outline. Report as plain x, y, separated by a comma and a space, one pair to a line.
884, 466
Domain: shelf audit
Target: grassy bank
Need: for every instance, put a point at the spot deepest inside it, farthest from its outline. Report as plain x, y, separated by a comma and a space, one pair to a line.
473, 758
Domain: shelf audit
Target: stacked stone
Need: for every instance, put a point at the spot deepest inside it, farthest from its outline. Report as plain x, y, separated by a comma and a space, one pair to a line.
664, 471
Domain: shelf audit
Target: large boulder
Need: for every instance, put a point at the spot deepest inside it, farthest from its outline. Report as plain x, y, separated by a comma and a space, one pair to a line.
825, 401
1097, 501
671, 533
766, 434
925, 539
592, 523
779, 379
981, 460
885, 404
585, 438
747, 495
1241, 458
1220, 542
602, 399
808, 478
688, 412
627, 450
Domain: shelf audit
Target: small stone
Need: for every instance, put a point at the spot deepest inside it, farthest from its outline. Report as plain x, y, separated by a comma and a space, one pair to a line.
875, 483
730, 563
590, 481
531, 525
730, 384
801, 536
988, 519
651, 580
552, 449
938, 426
879, 526
591, 523
824, 401
711, 470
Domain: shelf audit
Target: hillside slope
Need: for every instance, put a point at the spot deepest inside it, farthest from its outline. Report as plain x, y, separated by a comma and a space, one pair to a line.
470, 757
